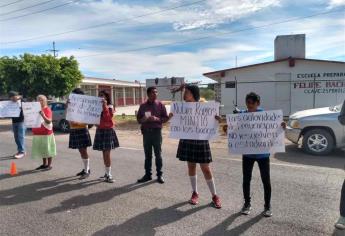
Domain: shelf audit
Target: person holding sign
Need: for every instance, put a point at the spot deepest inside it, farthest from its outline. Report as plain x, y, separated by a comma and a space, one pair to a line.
18, 127
197, 152
105, 138
43, 142
79, 138
248, 161
151, 115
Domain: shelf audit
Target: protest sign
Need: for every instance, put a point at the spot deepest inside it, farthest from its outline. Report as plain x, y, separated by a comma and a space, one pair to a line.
32, 117
84, 109
256, 132
194, 120
9, 109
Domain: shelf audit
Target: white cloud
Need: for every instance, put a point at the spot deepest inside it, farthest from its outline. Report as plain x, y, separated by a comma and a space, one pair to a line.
142, 65
222, 11
336, 3
324, 36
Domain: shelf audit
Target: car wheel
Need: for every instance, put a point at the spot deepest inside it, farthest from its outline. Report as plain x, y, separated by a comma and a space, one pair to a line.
318, 142
64, 126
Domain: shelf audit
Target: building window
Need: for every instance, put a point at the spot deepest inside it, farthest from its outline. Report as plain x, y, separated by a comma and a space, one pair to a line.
230, 84
118, 96
89, 90
129, 96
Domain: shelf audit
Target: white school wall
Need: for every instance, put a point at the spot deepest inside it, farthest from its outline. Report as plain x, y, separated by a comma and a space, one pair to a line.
290, 97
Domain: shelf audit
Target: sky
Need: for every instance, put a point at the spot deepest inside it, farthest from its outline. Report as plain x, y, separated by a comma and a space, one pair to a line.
137, 40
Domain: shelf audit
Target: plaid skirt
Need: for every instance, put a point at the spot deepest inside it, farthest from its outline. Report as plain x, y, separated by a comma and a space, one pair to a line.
105, 139
79, 138
196, 151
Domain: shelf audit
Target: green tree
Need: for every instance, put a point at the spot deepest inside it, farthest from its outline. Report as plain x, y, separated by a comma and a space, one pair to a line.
32, 75
207, 93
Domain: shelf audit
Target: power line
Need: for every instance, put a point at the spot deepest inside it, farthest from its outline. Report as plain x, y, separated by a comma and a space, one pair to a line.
11, 3
40, 11
106, 23
25, 8
213, 35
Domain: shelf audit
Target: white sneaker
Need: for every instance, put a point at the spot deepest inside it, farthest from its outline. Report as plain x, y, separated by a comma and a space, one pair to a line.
19, 155
341, 223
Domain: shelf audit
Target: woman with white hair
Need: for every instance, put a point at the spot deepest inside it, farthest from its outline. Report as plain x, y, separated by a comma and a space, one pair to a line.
43, 142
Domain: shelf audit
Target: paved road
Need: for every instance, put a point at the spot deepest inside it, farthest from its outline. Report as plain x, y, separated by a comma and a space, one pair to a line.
306, 192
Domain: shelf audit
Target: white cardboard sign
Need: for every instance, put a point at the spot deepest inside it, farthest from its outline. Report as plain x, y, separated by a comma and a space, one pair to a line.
84, 109
9, 109
32, 117
256, 132
194, 120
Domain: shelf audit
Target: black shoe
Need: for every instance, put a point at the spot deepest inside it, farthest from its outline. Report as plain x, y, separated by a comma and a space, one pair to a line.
41, 167
81, 173
103, 177
47, 168
108, 179
246, 209
267, 212
144, 179
85, 175
160, 180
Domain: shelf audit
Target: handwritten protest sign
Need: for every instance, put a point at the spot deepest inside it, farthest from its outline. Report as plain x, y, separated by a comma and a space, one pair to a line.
9, 109
194, 120
84, 109
256, 133
32, 117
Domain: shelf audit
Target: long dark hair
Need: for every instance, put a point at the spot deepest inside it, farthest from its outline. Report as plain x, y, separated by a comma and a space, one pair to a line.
194, 89
78, 91
106, 95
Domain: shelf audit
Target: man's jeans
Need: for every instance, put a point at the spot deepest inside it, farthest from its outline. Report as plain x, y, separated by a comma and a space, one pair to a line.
19, 136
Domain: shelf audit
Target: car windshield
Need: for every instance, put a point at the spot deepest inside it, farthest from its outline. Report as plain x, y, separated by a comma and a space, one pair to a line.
336, 108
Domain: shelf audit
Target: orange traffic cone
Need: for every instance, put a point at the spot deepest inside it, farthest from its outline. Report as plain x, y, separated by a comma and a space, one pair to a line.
13, 170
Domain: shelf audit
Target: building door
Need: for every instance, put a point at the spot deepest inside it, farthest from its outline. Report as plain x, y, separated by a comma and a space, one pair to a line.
283, 92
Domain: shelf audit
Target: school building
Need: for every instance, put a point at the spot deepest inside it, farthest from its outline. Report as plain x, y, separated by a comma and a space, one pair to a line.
291, 82
123, 93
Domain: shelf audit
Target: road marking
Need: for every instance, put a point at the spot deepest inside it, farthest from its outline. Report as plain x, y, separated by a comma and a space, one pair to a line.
130, 148
272, 163
236, 159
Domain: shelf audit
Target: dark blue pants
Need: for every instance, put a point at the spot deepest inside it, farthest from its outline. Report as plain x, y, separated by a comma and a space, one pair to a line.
152, 139
247, 168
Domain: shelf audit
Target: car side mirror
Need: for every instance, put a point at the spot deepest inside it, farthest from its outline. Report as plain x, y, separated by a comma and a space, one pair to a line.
341, 117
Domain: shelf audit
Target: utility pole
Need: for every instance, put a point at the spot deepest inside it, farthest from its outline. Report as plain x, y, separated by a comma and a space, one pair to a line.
54, 51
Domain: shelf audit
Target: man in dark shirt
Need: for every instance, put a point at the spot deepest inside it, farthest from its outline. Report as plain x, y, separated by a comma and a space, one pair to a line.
18, 127
151, 115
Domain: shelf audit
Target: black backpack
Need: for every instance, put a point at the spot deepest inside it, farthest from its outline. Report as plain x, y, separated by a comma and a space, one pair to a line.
341, 117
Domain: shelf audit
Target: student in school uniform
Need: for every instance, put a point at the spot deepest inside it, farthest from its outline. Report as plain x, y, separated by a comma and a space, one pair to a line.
105, 138
43, 141
263, 160
197, 152
79, 138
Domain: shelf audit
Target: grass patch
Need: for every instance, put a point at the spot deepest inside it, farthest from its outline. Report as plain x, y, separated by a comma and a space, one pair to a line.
125, 118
